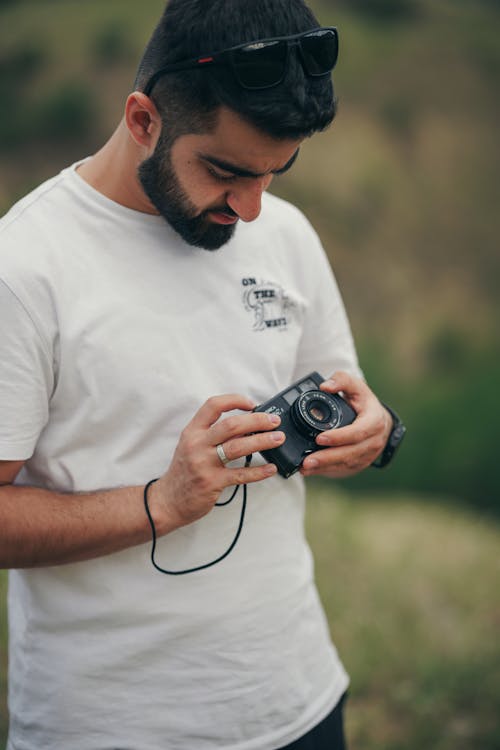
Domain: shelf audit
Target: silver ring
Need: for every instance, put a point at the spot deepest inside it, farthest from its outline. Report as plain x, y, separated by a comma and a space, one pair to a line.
220, 452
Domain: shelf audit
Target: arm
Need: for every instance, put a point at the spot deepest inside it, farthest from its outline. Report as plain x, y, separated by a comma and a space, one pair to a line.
352, 448
39, 527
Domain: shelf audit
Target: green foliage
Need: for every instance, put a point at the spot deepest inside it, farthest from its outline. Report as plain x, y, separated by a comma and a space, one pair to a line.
484, 50
398, 115
112, 44
452, 414
384, 10
411, 594
20, 63
19, 67
66, 113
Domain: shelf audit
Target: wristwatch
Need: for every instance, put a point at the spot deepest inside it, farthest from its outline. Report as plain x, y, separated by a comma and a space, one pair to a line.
394, 441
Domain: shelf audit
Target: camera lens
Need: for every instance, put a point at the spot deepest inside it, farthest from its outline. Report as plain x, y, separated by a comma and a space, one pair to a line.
318, 411
314, 412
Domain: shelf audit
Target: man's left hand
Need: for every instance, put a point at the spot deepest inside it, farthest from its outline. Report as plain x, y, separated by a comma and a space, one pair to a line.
352, 448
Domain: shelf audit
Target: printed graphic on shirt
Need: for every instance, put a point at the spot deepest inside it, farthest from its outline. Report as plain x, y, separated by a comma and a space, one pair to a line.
269, 303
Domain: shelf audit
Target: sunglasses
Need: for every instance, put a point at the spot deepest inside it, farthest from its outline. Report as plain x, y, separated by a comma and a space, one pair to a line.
263, 64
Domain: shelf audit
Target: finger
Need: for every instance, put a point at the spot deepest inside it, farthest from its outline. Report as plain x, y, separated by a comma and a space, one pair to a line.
215, 406
339, 461
241, 424
355, 390
362, 429
239, 447
247, 475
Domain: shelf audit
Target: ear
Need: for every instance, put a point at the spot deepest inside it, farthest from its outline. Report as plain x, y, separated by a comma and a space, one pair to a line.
143, 120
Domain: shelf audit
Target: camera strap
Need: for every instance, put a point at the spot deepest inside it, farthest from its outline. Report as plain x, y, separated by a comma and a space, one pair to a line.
248, 461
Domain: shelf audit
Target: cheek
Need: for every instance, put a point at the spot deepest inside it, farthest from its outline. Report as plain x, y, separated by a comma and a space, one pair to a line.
197, 184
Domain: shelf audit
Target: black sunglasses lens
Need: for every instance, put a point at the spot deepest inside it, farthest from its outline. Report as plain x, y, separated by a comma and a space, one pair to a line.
260, 65
319, 51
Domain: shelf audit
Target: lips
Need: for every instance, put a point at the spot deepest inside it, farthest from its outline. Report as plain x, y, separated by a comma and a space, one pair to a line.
219, 217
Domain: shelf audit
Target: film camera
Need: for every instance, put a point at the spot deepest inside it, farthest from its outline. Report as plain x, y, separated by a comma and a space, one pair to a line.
305, 411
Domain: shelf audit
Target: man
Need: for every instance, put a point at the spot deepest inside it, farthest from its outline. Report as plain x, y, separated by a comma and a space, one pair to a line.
119, 333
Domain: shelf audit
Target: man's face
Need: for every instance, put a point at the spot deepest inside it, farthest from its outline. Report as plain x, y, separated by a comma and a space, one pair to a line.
204, 184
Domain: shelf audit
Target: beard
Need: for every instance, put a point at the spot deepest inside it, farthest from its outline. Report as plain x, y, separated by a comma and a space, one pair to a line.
161, 185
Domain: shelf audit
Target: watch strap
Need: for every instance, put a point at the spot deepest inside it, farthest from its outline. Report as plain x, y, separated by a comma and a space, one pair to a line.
393, 442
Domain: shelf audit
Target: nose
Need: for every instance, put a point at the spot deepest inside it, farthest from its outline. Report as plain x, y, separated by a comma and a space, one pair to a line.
246, 198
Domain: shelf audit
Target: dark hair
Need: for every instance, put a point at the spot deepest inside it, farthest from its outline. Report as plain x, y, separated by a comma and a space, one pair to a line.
189, 100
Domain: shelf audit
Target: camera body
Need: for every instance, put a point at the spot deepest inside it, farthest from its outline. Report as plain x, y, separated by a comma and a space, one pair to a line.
305, 411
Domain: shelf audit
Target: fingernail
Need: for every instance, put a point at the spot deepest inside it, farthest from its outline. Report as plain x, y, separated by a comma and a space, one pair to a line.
270, 469
322, 439
330, 383
274, 419
311, 463
277, 437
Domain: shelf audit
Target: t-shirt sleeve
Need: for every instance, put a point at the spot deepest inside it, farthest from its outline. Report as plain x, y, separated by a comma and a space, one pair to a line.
326, 343
26, 379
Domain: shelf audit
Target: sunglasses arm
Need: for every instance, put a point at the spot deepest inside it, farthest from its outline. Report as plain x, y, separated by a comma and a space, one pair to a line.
198, 63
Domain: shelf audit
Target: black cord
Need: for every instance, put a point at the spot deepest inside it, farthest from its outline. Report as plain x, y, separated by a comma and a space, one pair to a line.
218, 559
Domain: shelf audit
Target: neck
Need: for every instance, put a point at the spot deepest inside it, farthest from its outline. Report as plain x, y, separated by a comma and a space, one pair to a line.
113, 172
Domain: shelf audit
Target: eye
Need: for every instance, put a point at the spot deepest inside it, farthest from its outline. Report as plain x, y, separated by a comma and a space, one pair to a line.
221, 177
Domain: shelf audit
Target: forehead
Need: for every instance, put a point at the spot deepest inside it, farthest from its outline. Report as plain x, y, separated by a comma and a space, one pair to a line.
236, 141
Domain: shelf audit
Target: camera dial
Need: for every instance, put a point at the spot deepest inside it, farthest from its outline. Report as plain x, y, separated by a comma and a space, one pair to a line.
314, 412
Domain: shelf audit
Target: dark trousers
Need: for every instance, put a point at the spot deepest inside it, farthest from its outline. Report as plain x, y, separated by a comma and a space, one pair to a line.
328, 735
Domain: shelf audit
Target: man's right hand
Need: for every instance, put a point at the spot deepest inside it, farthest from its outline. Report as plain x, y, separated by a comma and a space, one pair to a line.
196, 476
40, 527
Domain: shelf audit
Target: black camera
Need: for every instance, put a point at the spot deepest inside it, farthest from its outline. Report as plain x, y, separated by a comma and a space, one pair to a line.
305, 411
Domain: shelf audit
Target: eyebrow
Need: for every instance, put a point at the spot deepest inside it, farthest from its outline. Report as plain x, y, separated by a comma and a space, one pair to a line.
226, 166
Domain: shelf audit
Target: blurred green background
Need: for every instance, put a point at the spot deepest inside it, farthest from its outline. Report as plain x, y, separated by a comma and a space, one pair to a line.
403, 190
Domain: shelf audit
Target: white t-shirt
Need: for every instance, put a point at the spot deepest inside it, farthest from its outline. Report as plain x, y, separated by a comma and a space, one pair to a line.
113, 333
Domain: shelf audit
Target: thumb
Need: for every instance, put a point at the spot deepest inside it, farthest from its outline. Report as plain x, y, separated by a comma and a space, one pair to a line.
352, 388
